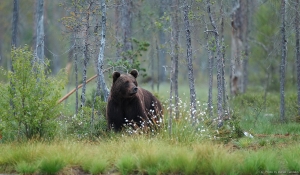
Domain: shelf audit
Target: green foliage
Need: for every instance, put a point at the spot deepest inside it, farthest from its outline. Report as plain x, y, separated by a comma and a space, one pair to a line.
83, 127
91, 122
51, 165
26, 167
255, 107
95, 166
126, 164
264, 58
254, 163
29, 105
130, 59
231, 129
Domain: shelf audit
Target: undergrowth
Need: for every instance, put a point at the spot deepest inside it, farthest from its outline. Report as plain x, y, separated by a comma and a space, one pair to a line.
252, 140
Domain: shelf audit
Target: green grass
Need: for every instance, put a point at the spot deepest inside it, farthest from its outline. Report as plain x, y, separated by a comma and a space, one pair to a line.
145, 155
188, 150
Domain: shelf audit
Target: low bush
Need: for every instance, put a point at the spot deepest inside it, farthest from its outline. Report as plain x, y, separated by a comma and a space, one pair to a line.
28, 107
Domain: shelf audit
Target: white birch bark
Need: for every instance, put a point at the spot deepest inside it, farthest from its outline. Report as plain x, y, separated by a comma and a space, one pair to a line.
219, 65
101, 79
283, 60
189, 60
40, 31
298, 51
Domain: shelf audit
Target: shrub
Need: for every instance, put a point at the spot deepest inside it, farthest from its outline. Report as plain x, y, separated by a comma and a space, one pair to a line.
28, 107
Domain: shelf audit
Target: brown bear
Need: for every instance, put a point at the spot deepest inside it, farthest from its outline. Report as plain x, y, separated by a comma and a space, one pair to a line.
129, 104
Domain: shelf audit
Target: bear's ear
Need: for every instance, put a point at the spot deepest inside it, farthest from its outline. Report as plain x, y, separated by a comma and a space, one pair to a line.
134, 73
116, 75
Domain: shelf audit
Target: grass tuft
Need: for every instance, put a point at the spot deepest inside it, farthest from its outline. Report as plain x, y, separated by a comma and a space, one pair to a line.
126, 164
51, 165
26, 167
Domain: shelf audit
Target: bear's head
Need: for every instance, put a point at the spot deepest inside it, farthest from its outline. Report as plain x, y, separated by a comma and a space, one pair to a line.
125, 85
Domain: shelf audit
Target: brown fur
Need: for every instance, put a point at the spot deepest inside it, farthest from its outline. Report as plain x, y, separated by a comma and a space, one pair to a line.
129, 103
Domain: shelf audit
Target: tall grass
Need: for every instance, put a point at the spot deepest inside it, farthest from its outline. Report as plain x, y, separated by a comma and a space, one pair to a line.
187, 150
144, 155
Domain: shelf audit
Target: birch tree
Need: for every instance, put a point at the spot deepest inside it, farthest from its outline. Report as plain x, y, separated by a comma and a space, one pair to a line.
209, 46
239, 27
15, 22
189, 60
163, 9
297, 51
126, 27
101, 79
219, 64
174, 63
176, 55
39, 49
283, 59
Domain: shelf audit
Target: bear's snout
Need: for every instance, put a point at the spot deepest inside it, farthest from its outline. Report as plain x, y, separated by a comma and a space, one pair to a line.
134, 90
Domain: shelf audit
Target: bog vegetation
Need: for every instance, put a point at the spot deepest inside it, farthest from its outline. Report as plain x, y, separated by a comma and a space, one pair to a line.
46, 140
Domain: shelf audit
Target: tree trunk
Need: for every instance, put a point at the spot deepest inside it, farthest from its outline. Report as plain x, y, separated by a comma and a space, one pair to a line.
225, 104
162, 42
152, 66
126, 25
239, 28
15, 24
158, 70
298, 51
69, 63
210, 72
40, 31
86, 54
118, 19
176, 57
219, 66
75, 55
283, 60
101, 79
174, 64
189, 60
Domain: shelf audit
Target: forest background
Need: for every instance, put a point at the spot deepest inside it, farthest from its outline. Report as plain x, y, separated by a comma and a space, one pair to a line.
230, 67
230, 46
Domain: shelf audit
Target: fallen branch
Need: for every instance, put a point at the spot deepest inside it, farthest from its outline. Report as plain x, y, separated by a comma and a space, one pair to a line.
79, 86
73, 90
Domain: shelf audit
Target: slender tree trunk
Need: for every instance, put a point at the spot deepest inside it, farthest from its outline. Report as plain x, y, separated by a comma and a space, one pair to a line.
174, 64
210, 71
162, 40
171, 100
225, 105
86, 54
40, 31
298, 51
118, 19
239, 28
15, 24
176, 57
76, 78
189, 60
152, 66
75, 55
101, 79
246, 44
126, 25
14, 42
283, 60
158, 70
219, 65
